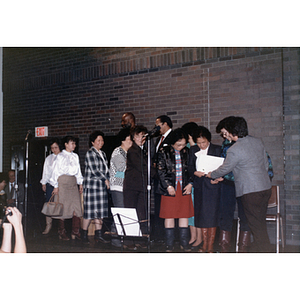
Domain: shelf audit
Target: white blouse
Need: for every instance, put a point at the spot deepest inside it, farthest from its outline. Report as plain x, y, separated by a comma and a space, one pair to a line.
48, 168
67, 164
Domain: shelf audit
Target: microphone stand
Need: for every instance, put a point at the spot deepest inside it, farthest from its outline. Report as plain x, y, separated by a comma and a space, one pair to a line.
16, 186
26, 181
149, 186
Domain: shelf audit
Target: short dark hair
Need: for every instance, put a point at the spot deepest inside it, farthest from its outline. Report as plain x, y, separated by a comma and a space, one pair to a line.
176, 135
94, 135
189, 128
201, 132
68, 138
238, 127
55, 140
137, 130
224, 123
165, 119
123, 134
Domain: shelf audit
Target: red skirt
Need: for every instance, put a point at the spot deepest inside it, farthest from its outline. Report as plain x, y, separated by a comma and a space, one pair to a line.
180, 206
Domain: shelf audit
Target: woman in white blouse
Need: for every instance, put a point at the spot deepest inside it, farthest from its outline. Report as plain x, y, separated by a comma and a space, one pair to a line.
65, 178
47, 173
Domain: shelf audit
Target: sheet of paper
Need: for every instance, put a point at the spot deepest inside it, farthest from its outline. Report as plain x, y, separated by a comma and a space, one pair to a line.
129, 220
208, 163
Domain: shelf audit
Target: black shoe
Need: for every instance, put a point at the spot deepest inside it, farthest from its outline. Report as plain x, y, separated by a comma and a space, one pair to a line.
99, 238
84, 237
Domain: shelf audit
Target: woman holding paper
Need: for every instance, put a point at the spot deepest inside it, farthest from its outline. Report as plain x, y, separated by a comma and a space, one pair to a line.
206, 191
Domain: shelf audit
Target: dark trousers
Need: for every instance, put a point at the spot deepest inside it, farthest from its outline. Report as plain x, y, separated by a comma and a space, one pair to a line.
158, 226
255, 207
137, 200
227, 208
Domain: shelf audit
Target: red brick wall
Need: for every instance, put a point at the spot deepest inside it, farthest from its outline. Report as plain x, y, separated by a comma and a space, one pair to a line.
76, 90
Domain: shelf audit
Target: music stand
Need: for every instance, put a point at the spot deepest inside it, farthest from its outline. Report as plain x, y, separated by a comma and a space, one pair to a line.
127, 223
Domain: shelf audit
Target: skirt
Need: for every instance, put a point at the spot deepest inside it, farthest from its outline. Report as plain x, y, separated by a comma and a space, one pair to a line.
95, 204
180, 206
69, 196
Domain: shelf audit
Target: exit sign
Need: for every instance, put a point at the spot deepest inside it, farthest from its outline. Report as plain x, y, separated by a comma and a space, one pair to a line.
41, 131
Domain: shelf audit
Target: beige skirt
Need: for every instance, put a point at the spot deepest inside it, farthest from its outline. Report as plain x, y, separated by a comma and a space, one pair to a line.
69, 196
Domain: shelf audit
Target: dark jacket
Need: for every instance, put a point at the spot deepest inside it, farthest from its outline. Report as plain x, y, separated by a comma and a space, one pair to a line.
214, 150
136, 169
166, 168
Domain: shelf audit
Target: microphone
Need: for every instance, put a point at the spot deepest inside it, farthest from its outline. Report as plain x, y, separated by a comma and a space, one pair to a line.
153, 131
28, 133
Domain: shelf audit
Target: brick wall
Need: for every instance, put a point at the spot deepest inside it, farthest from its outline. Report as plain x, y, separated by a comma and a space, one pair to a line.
76, 90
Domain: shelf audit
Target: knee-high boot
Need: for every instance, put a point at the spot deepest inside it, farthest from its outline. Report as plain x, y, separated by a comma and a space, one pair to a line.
225, 237
169, 237
203, 249
48, 225
75, 228
61, 230
244, 241
184, 238
211, 239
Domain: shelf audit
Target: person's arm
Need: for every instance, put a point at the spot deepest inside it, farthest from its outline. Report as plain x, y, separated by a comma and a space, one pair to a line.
6, 240
162, 172
16, 220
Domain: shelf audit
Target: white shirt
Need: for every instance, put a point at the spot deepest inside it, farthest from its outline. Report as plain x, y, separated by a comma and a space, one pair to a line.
48, 168
164, 135
67, 163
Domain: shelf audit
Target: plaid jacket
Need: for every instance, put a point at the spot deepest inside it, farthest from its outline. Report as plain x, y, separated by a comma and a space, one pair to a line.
95, 171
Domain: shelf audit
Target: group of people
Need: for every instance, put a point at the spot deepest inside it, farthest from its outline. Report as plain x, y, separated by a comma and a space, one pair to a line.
184, 196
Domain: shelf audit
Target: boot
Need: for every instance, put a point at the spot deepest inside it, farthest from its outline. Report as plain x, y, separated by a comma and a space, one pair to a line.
211, 239
48, 225
61, 230
203, 249
84, 236
225, 237
169, 237
98, 237
244, 241
75, 228
184, 238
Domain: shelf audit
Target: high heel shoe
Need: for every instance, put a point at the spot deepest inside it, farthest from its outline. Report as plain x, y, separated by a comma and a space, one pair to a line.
197, 246
190, 244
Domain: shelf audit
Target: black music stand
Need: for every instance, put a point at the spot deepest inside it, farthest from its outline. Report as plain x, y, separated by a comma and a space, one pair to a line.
127, 223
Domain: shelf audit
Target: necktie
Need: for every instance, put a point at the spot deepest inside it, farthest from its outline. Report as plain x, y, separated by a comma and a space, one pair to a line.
11, 190
162, 138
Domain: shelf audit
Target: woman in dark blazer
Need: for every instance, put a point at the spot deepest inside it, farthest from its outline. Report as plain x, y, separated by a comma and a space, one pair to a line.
175, 188
95, 186
135, 181
206, 191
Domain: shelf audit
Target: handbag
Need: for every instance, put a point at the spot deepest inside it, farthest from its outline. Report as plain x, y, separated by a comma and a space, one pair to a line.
53, 208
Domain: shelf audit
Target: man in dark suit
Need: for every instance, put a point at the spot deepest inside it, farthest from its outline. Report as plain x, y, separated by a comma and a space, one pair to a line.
166, 125
10, 191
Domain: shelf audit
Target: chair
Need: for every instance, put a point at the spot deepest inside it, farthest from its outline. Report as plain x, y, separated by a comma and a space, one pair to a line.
276, 217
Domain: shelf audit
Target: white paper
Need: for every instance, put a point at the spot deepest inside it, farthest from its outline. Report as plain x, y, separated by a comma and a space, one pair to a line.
129, 220
208, 163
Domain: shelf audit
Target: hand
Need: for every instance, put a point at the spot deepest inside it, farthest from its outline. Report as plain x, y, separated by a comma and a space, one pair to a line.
107, 183
171, 190
208, 175
187, 190
55, 191
214, 181
80, 189
44, 188
199, 173
16, 218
